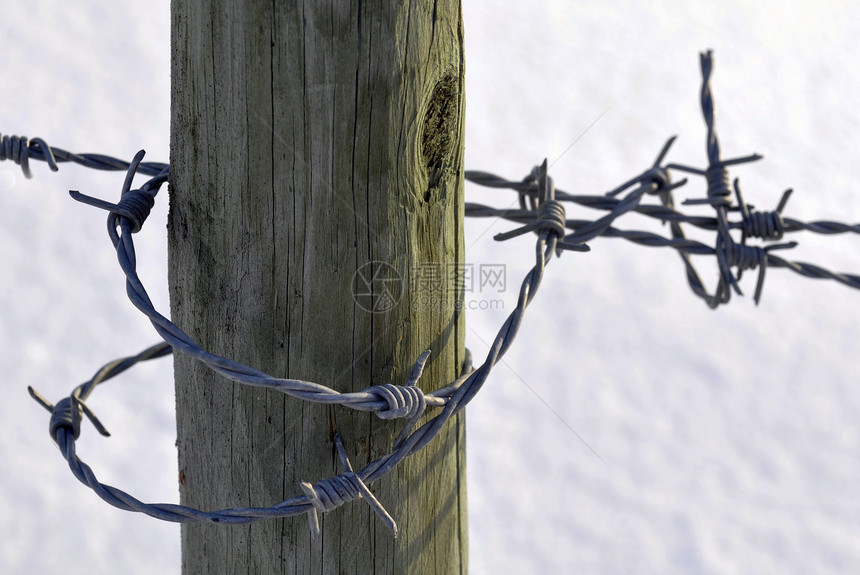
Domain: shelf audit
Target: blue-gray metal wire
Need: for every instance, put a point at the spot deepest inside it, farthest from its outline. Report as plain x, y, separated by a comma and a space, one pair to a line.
767, 225
406, 401
21, 150
541, 210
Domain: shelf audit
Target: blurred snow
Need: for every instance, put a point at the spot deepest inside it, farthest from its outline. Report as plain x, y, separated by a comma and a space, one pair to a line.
630, 430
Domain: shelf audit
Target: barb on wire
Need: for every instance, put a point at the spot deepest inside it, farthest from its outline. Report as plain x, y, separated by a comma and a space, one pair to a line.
550, 215
18, 150
541, 210
331, 493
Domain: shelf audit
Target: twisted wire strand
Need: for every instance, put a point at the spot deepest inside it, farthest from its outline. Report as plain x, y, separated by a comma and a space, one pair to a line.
65, 426
738, 255
662, 212
767, 225
540, 211
389, 401
20, 150
684, 246
825, 227
717, 178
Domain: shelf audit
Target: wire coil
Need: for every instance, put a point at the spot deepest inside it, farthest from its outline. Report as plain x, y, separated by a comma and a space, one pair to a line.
541, 210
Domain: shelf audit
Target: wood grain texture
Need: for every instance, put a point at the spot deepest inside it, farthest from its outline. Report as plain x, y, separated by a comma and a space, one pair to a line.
307, 140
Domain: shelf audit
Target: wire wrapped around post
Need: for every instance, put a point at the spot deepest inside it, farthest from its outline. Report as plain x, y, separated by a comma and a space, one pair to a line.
541, 210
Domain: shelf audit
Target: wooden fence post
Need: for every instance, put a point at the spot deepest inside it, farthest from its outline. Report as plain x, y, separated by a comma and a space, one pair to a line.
308, 140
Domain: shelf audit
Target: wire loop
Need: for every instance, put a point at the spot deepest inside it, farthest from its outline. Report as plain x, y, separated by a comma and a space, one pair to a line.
540, 210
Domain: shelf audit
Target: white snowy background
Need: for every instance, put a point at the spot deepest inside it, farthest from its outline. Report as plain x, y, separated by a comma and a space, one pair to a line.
630, 429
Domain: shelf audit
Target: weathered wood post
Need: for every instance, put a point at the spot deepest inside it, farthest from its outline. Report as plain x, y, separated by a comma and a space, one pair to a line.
307, 140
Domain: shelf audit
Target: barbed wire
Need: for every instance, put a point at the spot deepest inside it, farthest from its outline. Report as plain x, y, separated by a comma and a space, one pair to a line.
388, 401
20, 150
541, 210
766, 225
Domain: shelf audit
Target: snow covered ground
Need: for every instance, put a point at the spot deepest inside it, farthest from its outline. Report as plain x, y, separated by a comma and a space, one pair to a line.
630, 430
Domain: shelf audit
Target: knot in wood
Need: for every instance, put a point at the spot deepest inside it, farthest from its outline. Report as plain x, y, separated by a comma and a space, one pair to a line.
441, 121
